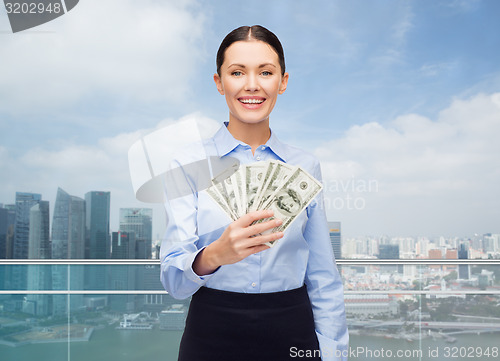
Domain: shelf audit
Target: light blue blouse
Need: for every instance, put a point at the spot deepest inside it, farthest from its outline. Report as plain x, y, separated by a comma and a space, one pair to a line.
303, 255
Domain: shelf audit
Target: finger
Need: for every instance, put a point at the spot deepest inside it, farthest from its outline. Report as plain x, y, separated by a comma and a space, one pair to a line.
251, 217
259, 248
254, 249
258, 241
262, 227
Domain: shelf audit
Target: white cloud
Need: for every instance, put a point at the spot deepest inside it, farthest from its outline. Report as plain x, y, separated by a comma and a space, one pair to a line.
462, 6
79, 169
139, 51
448, 168
436, 69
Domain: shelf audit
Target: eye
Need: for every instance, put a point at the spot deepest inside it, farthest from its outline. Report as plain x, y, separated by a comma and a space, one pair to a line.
266, 73
237, 73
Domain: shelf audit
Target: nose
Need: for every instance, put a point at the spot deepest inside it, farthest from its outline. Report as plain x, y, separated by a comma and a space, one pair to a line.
252, 83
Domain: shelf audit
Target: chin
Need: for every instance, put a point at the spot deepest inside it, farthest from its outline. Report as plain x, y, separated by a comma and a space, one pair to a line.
252, 121
244, 118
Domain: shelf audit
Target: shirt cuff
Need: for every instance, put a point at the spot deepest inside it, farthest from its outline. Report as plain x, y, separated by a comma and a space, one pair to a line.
191, 274
332, 350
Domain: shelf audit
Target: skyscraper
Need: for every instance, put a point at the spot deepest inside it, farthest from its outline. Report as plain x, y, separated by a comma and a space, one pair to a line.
463, 269
11, 222
148, 278
335, 239
68, 242
390, 251
139, 221
97, 240
39, 276
68, 227
7, 221
123, 277
24, 202
39, 241
97, 225
123, 245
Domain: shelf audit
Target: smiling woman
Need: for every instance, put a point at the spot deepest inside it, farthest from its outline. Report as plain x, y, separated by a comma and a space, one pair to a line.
249, 301
250, 74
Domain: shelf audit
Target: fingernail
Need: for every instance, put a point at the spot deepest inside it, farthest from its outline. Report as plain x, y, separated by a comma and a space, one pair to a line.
278, 222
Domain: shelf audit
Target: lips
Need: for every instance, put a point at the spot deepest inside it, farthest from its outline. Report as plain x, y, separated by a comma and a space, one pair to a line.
251, 102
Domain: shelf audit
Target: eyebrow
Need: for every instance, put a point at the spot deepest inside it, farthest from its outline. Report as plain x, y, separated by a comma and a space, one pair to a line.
260, 66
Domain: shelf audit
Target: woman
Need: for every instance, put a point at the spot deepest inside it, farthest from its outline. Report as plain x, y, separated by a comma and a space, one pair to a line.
252, 302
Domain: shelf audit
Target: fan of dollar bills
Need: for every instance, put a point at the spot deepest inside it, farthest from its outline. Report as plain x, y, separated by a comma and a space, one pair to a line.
286, 190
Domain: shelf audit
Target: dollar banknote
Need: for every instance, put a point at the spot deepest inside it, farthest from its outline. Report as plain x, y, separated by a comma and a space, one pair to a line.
219, 194
286, 190
291, 198
278, 176
254, 180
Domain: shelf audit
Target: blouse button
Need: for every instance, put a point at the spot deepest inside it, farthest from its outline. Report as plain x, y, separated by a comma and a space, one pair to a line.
258, 157
254, 284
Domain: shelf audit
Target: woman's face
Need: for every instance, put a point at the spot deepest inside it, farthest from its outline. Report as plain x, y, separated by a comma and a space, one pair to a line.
250, 80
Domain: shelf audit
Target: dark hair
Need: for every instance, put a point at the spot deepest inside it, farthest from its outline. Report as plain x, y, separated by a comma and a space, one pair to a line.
246, 33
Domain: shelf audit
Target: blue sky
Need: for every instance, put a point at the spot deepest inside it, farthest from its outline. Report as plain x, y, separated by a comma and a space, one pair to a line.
402, 94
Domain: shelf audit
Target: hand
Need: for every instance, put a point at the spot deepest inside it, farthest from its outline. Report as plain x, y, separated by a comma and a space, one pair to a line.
238, 241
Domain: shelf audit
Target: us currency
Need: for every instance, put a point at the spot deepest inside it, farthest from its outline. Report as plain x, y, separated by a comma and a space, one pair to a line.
280, 173
238, 187
232, 194
254, 179
219, 194
267, 175
290, 199
215, 194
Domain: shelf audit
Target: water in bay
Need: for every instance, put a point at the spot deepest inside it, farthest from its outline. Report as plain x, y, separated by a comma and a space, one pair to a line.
138, 345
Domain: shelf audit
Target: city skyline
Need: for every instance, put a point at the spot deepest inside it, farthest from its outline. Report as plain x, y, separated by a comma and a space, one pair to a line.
403, 96
76, 213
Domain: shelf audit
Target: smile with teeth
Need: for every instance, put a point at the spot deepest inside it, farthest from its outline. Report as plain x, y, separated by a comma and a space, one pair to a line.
251, 101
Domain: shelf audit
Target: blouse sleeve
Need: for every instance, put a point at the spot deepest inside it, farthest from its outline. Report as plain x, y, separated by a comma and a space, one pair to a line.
180, 247
324, 283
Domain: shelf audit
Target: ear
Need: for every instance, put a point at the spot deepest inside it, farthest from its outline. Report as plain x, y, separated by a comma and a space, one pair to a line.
284, 83
218, 84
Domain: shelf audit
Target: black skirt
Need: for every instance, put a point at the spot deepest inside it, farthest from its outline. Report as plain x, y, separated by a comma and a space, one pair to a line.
233, 326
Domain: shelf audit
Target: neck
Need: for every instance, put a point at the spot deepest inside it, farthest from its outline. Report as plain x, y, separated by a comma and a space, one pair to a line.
252, 134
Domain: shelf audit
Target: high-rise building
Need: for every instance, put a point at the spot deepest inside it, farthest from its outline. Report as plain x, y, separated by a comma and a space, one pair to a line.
68, 227
435, 253
489, 243
390, 251
7, 222
97, 225
336, 239
139, 221
39, 241
97, 240
39, 276
123, 245
451, 254
24, 201
122, 277
3, 233
463, 269
68, 242
148, 278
